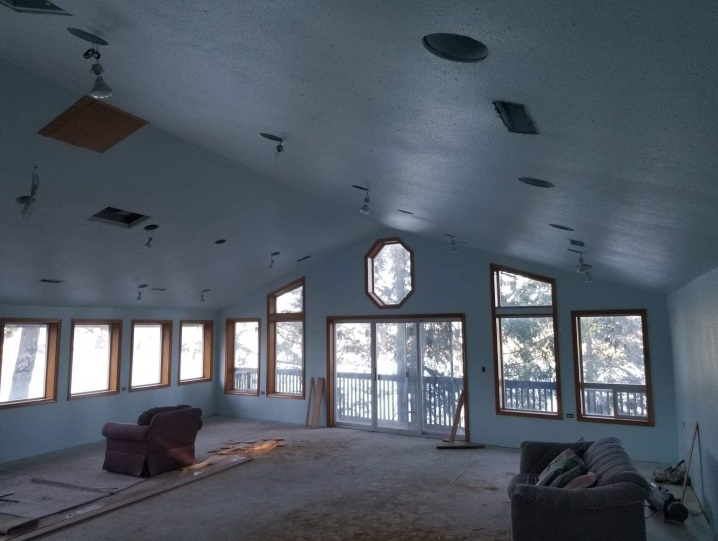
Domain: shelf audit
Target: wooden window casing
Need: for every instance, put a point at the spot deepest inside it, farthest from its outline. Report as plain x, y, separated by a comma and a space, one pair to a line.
229, 360
207, 350
273, 319
614, 390
546, 312
115, 338
369, 279
165, 354
51, 359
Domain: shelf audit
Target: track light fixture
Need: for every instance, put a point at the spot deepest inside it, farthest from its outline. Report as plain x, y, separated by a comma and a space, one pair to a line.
279, 149
28, 201
271, 263
365, 207
151, 228
100, 90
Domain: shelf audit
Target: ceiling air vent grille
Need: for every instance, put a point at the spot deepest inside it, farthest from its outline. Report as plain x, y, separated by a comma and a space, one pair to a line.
515, 117
114, 216
51, 281
38, 7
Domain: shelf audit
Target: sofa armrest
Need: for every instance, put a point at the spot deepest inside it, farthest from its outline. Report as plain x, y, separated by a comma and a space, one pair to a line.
125, 431
615, 495
536, 455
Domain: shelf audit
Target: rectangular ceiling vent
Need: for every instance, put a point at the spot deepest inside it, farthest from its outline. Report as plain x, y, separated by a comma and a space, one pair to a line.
92, 124
51, 281
515, 117
159, 289
38, 7
577, 242
114, 216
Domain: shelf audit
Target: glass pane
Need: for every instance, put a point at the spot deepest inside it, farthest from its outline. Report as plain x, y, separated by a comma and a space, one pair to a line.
612, 350
518, 290
147, 355
24, 362
192, 351
614, 371
289, 352
246, 355
395, 367
443, 373
528, 362
354, 385
392, 273
291, 302
90, 359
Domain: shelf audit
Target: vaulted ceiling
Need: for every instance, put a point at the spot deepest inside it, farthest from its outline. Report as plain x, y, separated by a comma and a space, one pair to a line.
623, 95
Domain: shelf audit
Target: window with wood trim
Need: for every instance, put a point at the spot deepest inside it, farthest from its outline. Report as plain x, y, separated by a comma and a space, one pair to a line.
151, 349
242, 356
525, 343
95, 357
196, 347
285, 341
29, 354
389, 273
613, 382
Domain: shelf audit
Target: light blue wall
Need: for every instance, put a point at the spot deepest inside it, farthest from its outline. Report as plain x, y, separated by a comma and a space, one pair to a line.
451, 283
31, 430
694, 326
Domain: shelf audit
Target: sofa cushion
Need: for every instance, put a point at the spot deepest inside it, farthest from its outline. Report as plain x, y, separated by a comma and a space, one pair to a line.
565, 461
582, 481
146, 416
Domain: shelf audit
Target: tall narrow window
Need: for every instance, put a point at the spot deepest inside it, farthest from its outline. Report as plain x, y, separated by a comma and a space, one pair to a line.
612, 367
525, 343
95, 357
285, 341
196, 344
151, 344
29, 353
242, 356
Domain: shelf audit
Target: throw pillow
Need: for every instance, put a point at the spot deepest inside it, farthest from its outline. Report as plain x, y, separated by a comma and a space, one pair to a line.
583, 481
565, 461
562, 480
146, 416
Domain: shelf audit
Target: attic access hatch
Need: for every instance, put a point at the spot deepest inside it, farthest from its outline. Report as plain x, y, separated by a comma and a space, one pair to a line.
93, 125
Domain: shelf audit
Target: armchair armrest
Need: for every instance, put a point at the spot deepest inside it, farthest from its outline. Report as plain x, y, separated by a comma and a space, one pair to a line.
125, 431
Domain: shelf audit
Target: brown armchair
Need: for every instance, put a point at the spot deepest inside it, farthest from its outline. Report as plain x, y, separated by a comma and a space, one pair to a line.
166, 443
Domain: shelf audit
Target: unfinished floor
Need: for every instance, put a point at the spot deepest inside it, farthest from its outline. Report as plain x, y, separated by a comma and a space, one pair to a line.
329, 484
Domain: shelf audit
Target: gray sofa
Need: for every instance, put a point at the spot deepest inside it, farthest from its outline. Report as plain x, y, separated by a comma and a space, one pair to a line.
612, 509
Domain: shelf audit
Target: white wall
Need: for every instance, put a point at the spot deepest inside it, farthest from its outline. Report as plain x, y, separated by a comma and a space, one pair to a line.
31, 430
694, 326
451, 283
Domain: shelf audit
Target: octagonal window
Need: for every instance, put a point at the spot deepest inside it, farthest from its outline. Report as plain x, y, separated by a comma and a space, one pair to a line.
390, 273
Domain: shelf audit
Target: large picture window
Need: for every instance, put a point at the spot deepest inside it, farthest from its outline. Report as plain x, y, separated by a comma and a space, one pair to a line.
196, 344
525, 343
285, 341
29, 353
151, 346
242, 356
95, 357
612, 366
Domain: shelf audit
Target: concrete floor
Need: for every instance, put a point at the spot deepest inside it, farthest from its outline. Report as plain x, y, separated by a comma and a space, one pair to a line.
331, 484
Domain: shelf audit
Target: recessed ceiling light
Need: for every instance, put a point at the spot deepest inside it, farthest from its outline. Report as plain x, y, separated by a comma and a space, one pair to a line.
536, 182
455, 47
563, 227
220, 241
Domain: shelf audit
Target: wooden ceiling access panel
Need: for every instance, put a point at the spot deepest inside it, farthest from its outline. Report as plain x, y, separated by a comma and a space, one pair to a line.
92, 124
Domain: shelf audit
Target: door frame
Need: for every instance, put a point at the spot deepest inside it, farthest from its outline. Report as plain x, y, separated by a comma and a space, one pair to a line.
332, 320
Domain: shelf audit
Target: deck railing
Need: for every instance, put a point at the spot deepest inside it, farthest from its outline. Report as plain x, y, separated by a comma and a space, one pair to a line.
287, 381
354, 400
530, 395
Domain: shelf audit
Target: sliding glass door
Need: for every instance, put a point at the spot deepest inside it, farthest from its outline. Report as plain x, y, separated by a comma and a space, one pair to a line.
399, 375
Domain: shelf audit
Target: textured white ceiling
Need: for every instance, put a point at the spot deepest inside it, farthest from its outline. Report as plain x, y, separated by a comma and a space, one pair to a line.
623, 94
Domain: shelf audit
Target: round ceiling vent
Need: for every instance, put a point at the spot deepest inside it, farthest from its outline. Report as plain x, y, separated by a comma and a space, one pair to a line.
455, 47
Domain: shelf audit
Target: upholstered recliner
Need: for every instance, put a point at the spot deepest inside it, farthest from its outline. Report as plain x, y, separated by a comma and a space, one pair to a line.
164, 443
